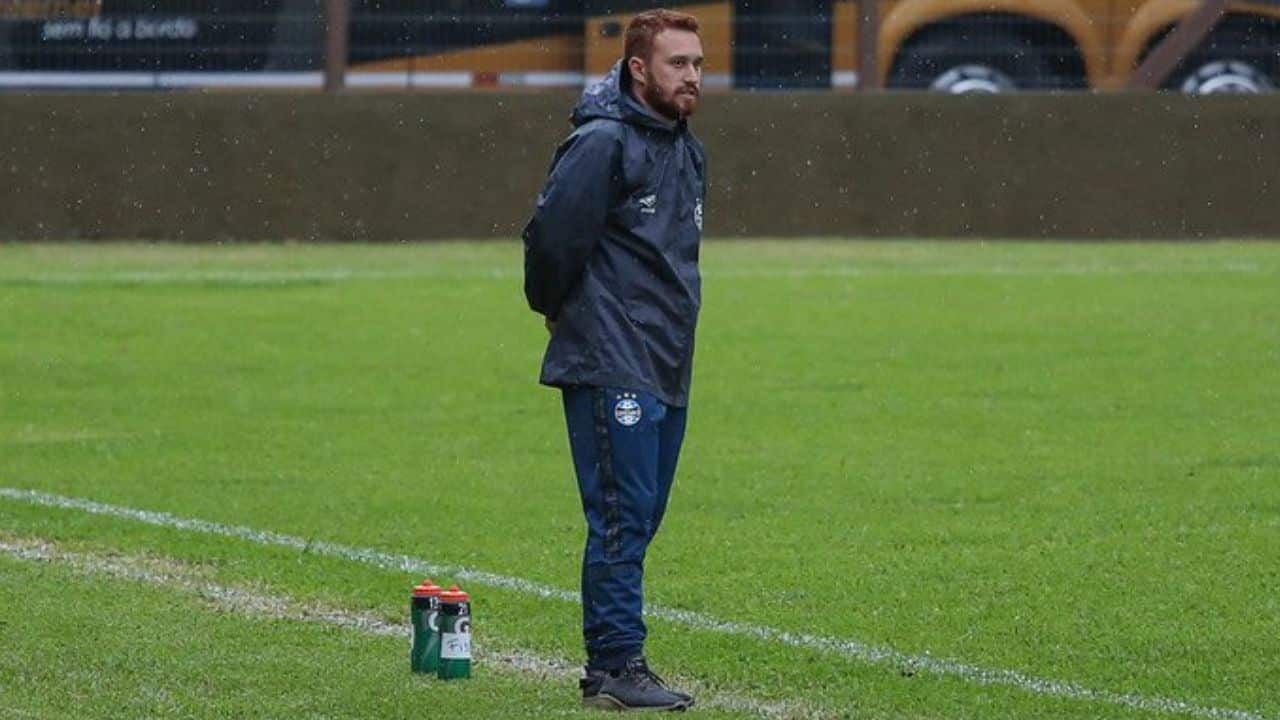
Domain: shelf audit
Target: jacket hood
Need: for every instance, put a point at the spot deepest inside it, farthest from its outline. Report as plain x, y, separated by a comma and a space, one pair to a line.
611, 99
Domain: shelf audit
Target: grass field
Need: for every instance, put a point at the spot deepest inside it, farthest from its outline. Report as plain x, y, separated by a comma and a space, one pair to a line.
922, 480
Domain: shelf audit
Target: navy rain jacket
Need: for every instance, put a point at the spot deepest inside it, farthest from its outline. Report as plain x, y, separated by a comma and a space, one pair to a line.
611, 254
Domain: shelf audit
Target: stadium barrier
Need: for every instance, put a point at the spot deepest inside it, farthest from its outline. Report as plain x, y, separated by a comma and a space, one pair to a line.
217, 166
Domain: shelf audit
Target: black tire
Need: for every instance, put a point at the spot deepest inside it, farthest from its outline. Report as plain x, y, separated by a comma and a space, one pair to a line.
951, 64
1231, 60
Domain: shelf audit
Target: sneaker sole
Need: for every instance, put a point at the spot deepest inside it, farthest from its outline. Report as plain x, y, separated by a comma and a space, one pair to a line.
610, 703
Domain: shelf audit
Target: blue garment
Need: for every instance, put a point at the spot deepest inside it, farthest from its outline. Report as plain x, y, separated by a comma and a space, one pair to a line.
625, 447
611, 253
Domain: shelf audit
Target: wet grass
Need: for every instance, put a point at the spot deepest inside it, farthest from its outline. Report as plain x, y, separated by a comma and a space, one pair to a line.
1057, 459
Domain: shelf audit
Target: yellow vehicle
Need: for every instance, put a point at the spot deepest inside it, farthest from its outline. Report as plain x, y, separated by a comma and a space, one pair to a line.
954, 46
961, 46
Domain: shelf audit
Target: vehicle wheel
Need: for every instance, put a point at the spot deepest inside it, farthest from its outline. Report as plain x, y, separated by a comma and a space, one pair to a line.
1234, 61
952, 65
1226, 76
973, 79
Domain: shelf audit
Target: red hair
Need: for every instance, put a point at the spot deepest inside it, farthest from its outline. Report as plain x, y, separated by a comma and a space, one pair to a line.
644, 27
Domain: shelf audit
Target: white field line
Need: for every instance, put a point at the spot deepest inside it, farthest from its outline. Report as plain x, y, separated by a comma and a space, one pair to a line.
344, 274
842, 647
171, 574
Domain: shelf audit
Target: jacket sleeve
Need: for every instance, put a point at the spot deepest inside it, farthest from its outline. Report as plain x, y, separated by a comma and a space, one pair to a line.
570, 217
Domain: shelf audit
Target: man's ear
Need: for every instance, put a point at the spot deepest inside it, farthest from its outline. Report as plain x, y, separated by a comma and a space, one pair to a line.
636, 67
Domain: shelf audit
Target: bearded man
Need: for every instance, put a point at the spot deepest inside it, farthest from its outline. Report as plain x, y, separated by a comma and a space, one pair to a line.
611, 262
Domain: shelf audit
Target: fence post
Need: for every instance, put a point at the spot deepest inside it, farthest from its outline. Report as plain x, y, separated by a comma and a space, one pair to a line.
869, 45
1192, 29
337, 24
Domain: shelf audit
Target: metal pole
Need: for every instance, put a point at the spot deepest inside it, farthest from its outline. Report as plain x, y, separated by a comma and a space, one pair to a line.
337, 22
1191, 30
869, 45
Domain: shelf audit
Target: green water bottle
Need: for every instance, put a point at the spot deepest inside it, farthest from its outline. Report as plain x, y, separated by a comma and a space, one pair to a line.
455, 634
424, 610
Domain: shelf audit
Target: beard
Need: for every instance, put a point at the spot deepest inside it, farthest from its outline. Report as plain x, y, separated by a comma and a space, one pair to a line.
677, 104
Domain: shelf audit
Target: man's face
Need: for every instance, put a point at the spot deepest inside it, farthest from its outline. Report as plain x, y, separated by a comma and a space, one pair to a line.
673, 75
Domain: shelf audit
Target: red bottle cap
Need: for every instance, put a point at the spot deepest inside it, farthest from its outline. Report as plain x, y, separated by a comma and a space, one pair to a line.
426, 588
454, 595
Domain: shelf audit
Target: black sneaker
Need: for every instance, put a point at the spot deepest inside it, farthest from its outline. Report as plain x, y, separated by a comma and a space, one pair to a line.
635, 688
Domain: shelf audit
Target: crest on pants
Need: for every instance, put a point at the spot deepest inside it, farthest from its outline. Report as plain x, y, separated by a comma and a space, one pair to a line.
627, 410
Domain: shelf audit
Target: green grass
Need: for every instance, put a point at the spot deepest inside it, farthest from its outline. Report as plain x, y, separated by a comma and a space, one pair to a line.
1058, 459
117, 649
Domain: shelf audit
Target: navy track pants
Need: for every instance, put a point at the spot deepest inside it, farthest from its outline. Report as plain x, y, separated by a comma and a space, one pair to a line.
625, 445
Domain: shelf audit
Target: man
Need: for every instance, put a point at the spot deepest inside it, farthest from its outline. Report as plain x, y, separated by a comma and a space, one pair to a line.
611, 261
